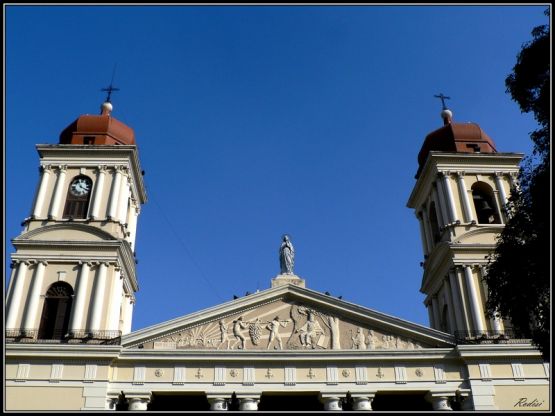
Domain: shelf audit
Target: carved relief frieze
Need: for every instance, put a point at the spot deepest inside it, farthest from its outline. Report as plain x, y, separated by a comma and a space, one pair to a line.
282, 325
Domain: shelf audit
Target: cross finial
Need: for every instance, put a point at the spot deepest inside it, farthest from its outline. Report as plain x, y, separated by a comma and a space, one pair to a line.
442, 98
110, 88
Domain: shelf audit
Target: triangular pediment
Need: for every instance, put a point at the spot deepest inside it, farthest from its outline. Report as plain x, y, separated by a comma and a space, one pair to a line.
287, 318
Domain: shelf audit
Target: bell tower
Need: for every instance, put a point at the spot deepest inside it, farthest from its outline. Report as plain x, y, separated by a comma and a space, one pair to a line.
74, 273
459, 199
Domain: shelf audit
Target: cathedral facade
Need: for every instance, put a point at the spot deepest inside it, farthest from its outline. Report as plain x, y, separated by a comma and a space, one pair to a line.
69, 304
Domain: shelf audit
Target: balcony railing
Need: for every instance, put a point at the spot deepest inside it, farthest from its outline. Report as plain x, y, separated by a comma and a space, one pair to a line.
507, 336
81, 336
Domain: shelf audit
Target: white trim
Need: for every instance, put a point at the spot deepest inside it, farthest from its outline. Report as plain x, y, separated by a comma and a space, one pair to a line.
400, 375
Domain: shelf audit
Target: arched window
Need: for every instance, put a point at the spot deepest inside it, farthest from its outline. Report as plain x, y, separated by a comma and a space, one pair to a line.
78, 196
434, 223
484, 204
54, 321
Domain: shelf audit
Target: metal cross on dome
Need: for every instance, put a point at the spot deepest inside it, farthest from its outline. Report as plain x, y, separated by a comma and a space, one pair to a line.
442, 98
110, 88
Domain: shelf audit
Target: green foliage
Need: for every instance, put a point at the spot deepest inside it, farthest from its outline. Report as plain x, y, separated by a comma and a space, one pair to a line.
518, 276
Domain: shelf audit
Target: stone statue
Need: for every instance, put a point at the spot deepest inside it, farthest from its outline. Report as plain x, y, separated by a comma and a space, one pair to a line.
286, 256
238, 325
274, 331
224, 336
310, 332
358, 340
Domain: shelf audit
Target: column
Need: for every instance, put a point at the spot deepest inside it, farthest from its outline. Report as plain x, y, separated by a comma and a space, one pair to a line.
132, 215
30, 319
451, 208
248, 401
439, 401
98, 191
115, 303
362, 401
428, 228
430, 309
58, 191
331, 403
123, 200
501, 189
450, 307
114, 194
436, 312
440, 207
218, 403
473, 297
127, 315
467, 209
16, 296
138, 400
422, 233
39, 201
456, 298
78, 310
98, 298
442, 201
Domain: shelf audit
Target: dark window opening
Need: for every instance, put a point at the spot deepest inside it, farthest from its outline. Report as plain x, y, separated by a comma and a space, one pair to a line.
484, 204
54, 320
184, 401
88, 140
475, 147
78, 196
401, 401
290, 402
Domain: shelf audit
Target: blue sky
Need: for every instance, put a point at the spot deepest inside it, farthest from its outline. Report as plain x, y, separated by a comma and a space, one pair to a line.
254, 121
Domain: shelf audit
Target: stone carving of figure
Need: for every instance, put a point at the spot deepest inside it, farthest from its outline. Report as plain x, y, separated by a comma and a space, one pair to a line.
225, 338
358, 340
237, 326
371, 340
388, 341
286, 256
274, 331
310, 332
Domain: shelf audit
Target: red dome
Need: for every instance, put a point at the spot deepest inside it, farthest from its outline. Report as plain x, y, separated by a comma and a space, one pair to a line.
97, 129
456, 138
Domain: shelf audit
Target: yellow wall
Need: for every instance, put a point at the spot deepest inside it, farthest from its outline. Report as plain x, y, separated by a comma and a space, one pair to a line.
521, 398
44, 398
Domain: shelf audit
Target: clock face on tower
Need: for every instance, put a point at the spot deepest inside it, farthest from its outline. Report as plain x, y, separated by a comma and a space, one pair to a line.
80, 187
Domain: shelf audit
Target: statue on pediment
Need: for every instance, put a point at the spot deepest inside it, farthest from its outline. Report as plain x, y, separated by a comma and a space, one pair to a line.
358, 340
286, 256
238, 325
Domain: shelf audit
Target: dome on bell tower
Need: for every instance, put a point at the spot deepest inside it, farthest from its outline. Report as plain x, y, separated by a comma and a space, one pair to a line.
100, 129
455, 138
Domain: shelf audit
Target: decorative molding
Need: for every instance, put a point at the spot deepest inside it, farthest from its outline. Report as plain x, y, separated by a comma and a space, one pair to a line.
179, 374
400, 375
139, 375
518, 371
290, 376
219, 375
248, 376
90, 372
23, 370
332, 375
485, 372
361, 375
439, 374
56, 372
